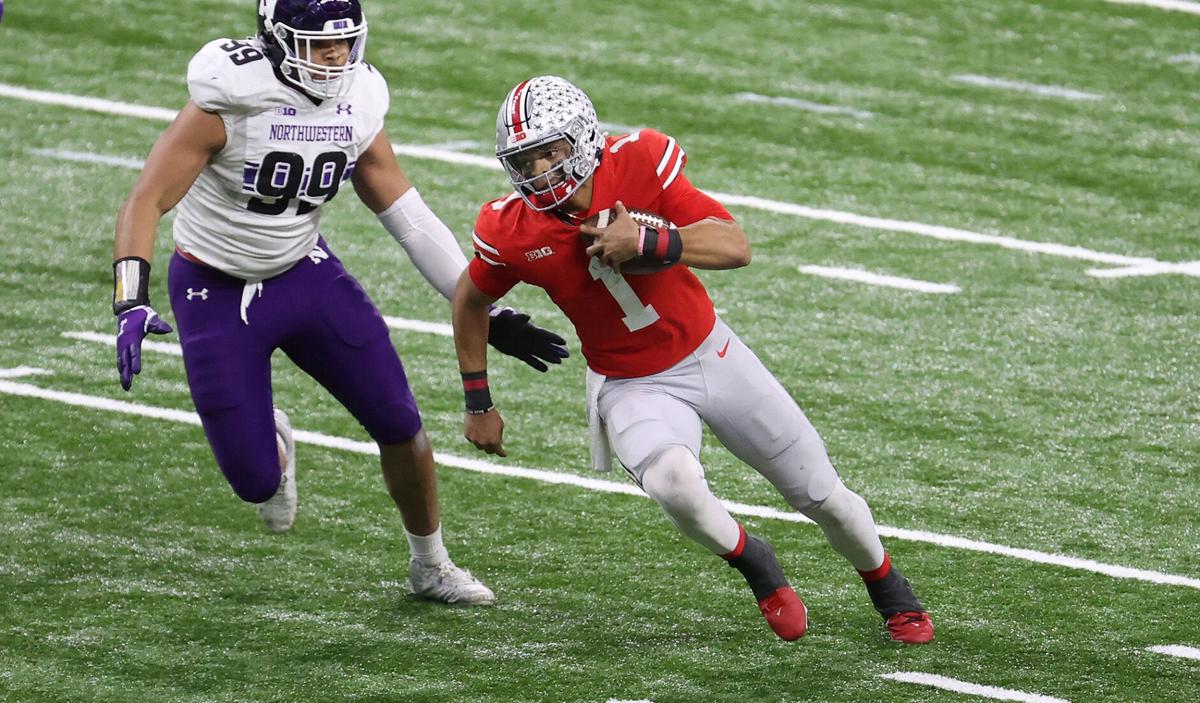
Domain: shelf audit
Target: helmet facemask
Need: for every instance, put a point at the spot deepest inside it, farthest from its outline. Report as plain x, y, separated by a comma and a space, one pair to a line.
535, 115
556, 185
292, 40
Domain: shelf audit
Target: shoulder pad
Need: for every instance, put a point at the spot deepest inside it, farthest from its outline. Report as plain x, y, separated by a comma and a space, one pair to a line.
221, 80
374, 87
664, 155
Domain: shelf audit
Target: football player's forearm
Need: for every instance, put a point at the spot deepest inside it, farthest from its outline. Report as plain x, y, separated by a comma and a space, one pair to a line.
714, 244
426, 240
137, 227
470, 319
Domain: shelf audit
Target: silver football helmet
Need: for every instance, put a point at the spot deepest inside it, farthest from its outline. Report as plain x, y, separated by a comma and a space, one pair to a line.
539, 112
288, 29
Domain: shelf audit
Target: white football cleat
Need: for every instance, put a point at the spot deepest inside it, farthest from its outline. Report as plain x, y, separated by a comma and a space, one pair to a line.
279, 511
447, 583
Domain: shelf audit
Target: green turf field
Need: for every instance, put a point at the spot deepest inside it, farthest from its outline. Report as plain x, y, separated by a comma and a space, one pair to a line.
1029, 443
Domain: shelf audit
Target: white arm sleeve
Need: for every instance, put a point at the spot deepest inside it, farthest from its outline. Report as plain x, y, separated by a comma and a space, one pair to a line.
426, 240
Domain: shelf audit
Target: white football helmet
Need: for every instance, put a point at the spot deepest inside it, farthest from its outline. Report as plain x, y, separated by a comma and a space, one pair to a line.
288, 28
540, 111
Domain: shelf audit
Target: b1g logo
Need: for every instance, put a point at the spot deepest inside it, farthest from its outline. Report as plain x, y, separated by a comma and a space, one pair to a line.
1, 10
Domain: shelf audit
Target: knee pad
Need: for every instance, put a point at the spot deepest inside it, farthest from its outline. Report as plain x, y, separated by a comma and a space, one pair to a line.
675, 480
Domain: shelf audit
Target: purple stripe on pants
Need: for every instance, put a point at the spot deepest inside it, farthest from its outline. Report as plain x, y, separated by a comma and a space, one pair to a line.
322, 319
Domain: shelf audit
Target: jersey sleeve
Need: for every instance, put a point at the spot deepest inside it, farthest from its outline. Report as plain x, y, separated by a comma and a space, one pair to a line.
680, 202
210, 83
684, 204
665, 156
488, 270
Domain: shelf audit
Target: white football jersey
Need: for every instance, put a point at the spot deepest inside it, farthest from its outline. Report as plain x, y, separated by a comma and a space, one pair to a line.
254, 209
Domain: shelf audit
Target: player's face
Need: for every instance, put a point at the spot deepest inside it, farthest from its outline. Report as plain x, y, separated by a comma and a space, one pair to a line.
326, 52
542, 160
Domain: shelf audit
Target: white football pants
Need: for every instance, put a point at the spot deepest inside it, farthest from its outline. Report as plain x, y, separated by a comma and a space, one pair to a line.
724, 384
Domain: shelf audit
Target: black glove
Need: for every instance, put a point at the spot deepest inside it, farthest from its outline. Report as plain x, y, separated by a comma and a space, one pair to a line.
511, 332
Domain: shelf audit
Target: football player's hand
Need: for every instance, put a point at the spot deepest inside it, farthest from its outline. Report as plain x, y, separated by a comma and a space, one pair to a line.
616, 243
485, 431
132, 326
511, 332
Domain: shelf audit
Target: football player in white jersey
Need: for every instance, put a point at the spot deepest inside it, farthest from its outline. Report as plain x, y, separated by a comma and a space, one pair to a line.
275, 125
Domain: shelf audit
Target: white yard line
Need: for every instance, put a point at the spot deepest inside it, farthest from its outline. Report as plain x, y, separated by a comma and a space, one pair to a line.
865, 221
86, 157
172, 348
878, 279
618, 128
1050, 91
1176, 650
169, 348
459, 145
1187, 268
605, 486
81, 102
947, 234
1184, 58
1177, 5
22, 371
972, 689
803, 105
440, 328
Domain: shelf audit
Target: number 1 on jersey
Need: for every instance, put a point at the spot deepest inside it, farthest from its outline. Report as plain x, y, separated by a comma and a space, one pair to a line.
637, 315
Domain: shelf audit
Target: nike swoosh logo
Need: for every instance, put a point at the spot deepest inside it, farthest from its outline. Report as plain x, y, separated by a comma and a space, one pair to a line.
724, 349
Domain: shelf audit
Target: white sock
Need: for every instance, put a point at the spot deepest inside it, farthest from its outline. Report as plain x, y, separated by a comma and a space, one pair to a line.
675, 480
427, 549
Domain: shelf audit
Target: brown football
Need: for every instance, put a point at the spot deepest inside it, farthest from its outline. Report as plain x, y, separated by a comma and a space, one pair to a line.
636, 266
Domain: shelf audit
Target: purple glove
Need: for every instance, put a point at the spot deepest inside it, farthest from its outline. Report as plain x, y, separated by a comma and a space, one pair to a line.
133, 325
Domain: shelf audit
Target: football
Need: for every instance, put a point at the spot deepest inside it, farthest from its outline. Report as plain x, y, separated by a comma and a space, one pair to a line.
636, 266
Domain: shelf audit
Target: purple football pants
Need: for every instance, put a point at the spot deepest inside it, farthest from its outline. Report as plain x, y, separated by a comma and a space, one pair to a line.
322, 319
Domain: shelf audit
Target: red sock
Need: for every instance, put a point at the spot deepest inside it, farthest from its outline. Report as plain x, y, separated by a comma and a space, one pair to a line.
880, 573
741, 545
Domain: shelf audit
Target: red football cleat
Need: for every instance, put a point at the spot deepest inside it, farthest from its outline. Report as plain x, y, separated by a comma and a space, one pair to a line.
911, 627
785, 613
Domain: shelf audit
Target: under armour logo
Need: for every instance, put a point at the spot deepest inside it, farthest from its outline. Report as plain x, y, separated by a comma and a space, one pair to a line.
343, 108
202, 293
317, 255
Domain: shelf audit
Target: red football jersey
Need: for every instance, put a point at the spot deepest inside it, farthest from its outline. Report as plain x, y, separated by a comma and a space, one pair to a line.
629, 325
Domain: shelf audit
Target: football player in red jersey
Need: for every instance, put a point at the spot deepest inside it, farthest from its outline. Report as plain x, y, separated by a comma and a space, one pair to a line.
659, 359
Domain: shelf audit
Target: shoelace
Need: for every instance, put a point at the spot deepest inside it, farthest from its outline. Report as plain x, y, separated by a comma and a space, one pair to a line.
450, 573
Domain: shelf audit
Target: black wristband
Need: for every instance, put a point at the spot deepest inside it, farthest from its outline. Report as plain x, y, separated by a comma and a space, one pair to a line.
660, 246
131, 283
479, 397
